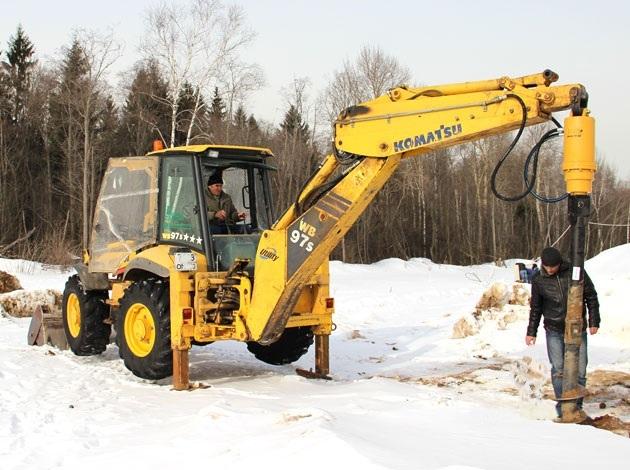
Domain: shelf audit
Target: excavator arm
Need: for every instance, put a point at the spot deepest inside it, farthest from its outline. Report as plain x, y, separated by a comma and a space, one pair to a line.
370, 141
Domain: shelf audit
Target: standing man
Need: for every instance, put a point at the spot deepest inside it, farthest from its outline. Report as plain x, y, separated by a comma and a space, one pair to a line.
221, 210
550, 288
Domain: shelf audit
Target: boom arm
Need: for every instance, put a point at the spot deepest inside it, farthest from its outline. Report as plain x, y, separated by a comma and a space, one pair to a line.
413, 121
372, 138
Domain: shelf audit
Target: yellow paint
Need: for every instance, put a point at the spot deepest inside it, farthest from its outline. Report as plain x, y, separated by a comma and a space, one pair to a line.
181, 291
270, 280
204, 147
139, 330
73, 315
579, 164
118, 290
274, 299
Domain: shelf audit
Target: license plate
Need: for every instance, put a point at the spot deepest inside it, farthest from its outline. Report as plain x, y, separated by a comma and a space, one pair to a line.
185, 262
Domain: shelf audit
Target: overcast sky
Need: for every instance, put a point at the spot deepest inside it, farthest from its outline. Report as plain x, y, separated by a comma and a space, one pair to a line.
441, 42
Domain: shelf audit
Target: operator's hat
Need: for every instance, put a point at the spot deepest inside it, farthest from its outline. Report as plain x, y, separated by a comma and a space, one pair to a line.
215, 178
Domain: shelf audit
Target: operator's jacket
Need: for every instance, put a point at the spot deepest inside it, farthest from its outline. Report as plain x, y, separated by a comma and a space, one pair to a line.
221, 202
549, 299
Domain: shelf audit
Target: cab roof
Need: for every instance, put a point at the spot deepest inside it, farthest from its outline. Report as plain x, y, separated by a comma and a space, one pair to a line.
232, 152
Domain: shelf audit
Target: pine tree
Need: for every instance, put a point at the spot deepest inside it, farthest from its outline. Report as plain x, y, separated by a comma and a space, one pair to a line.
107, 124
254, 135
146, 114
74, 68
252, 123
217, 107
67, 137
293, 125
21, 62
240, 117
5, 87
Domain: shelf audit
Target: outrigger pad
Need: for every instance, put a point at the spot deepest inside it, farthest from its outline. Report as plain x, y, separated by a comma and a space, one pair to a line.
47, 328
310, 374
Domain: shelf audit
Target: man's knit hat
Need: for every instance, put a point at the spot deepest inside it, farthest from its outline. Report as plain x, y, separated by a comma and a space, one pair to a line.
215, 178
550, 257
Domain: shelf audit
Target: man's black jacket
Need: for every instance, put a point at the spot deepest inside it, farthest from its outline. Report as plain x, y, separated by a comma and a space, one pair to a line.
549, 299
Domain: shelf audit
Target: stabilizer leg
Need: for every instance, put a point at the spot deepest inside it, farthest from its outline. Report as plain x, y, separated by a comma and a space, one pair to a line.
180, 369
322, 360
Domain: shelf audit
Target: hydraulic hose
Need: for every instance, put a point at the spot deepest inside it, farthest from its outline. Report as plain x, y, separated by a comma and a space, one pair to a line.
534, 154
493, 178
532, 159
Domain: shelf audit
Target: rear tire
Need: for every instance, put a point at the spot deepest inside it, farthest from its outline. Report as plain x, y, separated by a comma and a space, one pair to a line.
143, 329
83, 313
292, 345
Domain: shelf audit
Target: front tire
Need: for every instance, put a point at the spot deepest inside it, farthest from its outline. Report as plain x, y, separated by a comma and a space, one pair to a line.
143, 328
84, 314
292, 345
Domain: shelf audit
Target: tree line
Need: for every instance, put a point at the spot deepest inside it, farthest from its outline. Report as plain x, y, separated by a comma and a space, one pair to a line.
60, 121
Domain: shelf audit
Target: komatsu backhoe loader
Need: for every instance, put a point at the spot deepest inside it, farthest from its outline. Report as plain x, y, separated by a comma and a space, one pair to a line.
158, 273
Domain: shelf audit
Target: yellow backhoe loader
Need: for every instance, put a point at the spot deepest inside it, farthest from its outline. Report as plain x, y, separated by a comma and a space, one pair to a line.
164, 276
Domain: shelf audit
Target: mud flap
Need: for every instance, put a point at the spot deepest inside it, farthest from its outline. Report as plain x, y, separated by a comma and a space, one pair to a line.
47, 328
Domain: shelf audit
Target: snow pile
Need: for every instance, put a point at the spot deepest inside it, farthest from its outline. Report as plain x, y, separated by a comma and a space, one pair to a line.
610, 272
530, 376
22, 303
497, 305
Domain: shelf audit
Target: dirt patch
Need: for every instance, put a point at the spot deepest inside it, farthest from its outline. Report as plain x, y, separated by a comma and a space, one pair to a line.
469, 375
8, 283
355, 334
609, 423
609, 378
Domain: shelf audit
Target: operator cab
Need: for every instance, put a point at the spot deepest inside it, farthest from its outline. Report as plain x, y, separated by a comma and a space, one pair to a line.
184, 193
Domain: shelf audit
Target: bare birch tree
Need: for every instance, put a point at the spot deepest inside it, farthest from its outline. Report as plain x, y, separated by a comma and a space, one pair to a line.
370, 75
238, 82
192, 43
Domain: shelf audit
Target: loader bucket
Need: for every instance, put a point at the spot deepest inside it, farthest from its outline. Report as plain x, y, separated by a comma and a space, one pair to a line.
47, 328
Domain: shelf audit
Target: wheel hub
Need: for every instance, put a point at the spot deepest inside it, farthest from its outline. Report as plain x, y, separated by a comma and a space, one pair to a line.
73, 315
139, 330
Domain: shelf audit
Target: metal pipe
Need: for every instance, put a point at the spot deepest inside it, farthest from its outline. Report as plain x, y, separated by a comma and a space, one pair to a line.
579, 210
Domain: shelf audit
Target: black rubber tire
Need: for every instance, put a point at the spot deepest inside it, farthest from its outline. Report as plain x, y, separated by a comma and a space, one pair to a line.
93, 334
291, 346
154, 295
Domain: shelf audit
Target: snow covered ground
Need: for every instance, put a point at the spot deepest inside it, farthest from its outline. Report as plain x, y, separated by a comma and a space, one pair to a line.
405, 395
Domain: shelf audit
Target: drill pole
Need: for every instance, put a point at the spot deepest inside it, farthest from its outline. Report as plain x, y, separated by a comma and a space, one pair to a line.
579, 168
579, 210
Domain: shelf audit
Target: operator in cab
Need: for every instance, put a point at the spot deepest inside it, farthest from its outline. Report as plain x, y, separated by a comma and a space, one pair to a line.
221, 210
